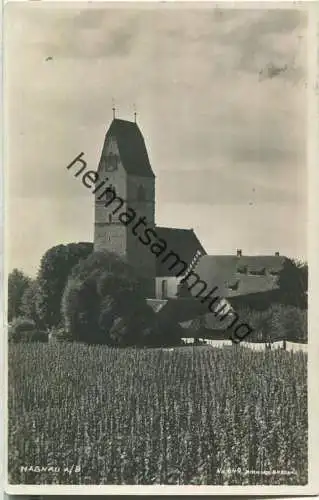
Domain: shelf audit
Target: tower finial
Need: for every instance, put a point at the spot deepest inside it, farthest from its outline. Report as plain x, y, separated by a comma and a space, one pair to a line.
113, 108
135, 113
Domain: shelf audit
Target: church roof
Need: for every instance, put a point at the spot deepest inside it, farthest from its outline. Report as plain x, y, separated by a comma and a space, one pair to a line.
131, 146
183, 242
241, 275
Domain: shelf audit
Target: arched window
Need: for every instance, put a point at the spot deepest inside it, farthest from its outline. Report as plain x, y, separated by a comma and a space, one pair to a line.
110, 218
164, 289
141, 194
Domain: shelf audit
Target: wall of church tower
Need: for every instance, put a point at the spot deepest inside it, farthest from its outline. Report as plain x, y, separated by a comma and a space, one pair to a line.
141, 196
138, 194
109, 232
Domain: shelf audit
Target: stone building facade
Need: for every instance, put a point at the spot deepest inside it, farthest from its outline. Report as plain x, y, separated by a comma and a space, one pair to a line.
125, 165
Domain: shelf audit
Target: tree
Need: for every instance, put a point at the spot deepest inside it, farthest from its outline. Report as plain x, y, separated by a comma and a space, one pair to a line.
295, 324
260, 322
278, 322
104, 302
55, 267
18, 282
293, 283
28, 301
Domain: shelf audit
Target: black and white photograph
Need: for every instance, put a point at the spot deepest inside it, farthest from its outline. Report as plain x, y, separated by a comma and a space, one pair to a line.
156, 188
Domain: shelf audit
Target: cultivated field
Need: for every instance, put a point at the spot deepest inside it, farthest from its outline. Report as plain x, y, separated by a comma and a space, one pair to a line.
188, 416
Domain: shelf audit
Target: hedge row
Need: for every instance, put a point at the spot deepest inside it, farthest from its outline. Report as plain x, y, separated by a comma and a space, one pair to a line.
279, 322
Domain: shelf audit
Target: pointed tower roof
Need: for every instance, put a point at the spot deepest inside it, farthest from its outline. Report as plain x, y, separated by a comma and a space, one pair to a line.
131, 146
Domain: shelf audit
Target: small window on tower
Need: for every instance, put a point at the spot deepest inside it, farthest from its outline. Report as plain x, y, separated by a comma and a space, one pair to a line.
109, 194
141, 194
110, 218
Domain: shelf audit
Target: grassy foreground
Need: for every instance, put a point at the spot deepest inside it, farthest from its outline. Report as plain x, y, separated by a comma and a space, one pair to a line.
93, 415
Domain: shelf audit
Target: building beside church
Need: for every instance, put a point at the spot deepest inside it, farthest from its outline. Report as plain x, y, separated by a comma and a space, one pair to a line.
124, 163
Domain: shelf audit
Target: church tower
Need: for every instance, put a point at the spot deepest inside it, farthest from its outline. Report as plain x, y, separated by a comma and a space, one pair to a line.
125, 167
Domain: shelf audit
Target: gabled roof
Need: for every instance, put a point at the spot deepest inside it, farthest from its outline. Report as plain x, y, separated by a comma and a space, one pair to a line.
223, 271
131, 146
183, 242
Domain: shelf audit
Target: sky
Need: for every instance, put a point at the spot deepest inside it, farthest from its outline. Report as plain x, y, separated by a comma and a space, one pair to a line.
220, 95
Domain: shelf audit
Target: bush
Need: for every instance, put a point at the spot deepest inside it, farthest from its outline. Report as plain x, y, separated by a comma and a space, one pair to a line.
278, 322
294, 321
25, 330
104, 303
59, 335
260, 322
35, 336
167, 333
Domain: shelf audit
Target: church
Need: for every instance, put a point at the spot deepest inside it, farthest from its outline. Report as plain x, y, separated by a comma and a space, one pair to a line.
244, 280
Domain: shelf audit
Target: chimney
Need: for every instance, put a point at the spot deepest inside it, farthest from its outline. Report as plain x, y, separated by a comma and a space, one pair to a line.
277, 254
239, 253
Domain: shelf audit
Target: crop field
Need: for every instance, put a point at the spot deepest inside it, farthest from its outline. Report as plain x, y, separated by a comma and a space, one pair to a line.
203, 415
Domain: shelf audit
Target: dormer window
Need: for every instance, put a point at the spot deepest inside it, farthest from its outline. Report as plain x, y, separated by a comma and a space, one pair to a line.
258, 272
242, 269
274, 272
